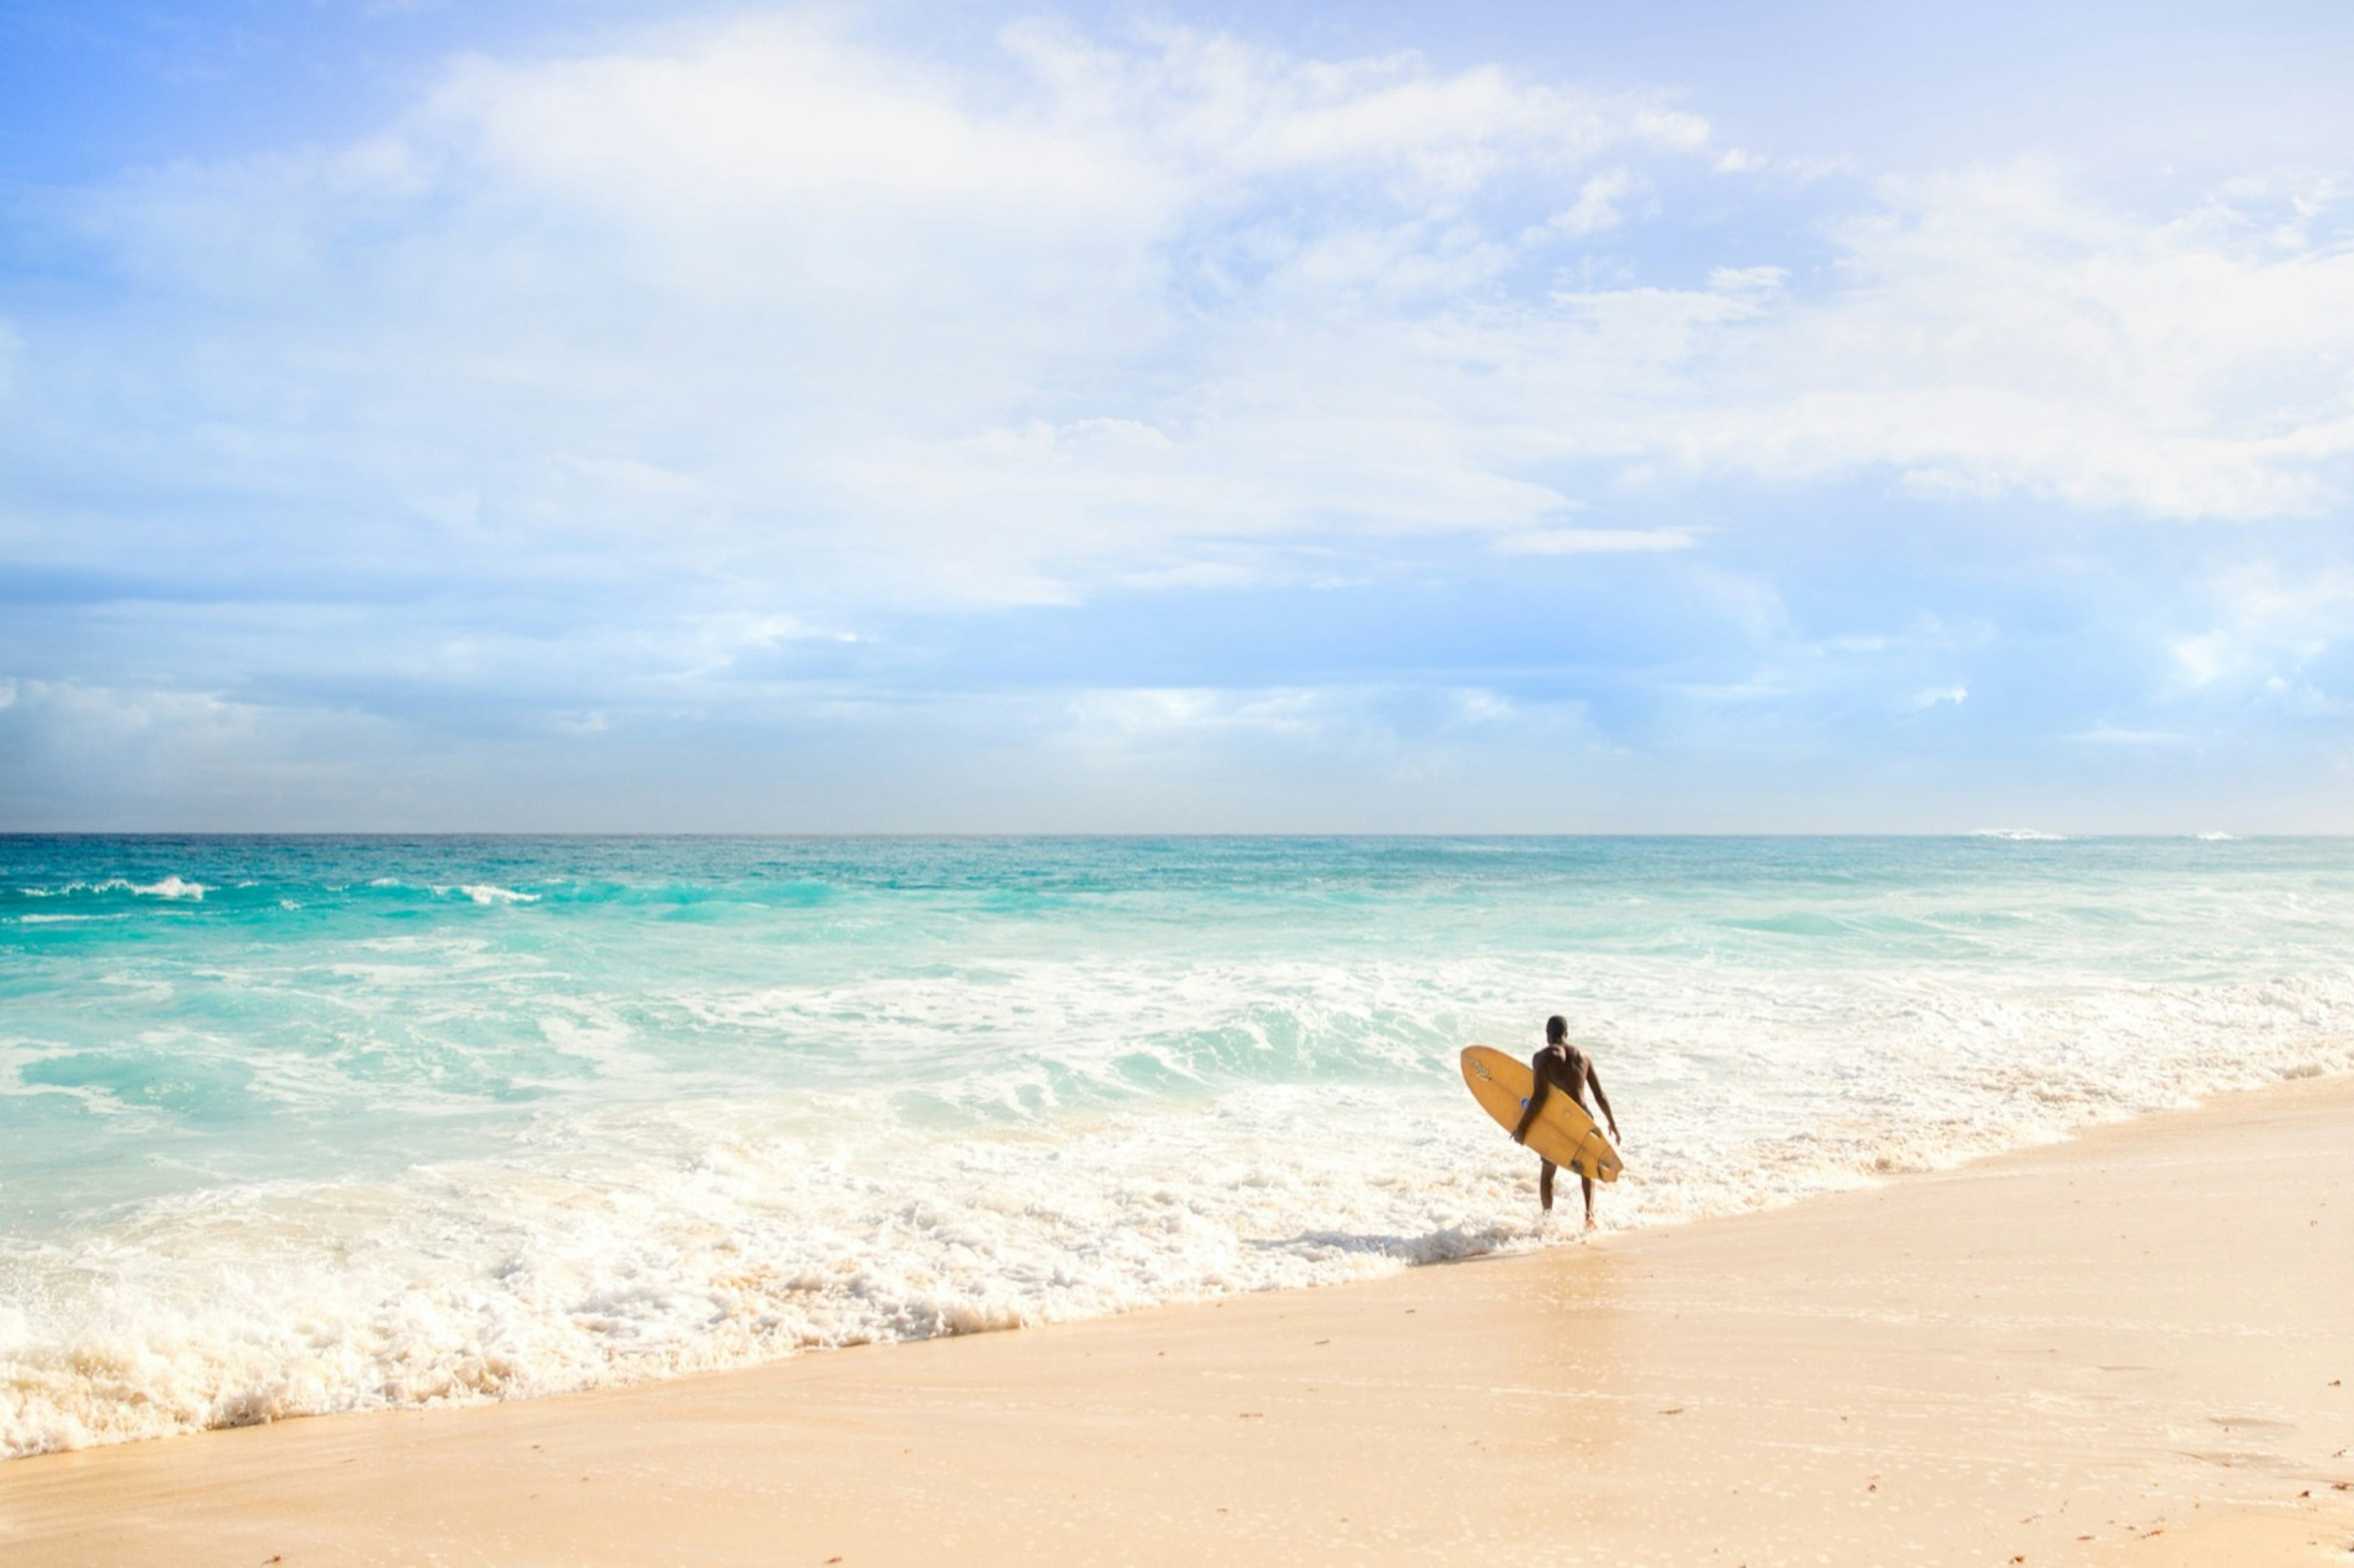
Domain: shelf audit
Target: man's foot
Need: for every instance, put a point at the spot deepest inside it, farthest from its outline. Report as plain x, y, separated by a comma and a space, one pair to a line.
1590, 1224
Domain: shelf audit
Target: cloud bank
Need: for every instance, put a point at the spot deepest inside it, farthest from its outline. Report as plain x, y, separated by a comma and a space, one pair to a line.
678, 385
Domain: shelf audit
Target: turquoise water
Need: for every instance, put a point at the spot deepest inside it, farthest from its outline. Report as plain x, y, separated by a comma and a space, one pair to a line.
317, 1124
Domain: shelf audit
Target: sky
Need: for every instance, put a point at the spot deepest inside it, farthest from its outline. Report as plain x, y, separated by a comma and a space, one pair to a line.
583, 414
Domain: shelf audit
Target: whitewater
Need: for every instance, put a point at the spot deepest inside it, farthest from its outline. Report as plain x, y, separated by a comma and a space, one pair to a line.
293, 1126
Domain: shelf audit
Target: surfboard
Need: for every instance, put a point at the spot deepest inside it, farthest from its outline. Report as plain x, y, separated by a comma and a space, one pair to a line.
1563, 1133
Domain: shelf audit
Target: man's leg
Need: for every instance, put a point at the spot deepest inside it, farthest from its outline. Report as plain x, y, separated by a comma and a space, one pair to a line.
1587, 1182
1545, 1182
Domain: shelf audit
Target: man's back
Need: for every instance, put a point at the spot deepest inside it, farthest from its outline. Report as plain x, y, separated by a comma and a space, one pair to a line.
1562, 1065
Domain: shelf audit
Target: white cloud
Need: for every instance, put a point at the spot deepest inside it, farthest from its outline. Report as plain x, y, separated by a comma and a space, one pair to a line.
764, 114
2204, 659
1228, 110
1478, 706
2108, 736
1377, 737
75, 752
772, 302
1596, 207
1996, 333
1595, 541
2265, 628
771, 299
1132, 713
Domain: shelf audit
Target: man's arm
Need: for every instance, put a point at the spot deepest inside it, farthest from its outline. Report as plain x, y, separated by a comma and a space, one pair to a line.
1595, 1083
1536, 1100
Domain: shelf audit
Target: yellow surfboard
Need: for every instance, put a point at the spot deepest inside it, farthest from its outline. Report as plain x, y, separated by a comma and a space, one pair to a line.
1563, 1133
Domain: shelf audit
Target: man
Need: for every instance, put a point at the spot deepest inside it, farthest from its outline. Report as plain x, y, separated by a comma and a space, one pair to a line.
1562, 1065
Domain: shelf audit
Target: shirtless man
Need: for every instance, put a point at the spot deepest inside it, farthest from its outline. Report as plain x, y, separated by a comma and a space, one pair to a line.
1562, 1065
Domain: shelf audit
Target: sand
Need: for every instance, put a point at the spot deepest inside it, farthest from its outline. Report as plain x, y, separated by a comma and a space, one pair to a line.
2136, 1347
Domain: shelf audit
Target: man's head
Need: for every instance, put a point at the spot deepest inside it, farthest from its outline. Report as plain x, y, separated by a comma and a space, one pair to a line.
1556, 1030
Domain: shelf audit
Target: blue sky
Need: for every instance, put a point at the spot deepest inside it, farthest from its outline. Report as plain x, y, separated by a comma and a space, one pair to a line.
582, 415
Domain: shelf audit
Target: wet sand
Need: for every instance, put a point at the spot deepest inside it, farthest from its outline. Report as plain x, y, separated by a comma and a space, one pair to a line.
2136, 1347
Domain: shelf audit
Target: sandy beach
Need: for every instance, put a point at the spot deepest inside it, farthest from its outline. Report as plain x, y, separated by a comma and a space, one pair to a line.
2133, 1347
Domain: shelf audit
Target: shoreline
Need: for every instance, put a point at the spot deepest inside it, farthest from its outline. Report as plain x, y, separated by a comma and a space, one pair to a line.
2131, 1345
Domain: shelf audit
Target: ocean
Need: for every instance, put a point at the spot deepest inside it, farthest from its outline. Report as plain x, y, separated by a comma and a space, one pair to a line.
291, 1126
